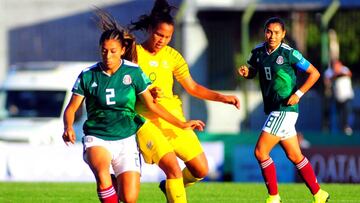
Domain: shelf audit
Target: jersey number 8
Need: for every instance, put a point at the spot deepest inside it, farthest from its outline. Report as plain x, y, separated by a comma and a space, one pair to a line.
267, 73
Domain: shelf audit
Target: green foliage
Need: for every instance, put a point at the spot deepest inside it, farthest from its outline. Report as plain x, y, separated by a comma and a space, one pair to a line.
204, 192
314, 35
347, 25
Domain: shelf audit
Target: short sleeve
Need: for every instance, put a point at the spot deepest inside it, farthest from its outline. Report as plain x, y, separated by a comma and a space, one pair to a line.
79, 87
141, 81
298, 60
251, 59
181, 68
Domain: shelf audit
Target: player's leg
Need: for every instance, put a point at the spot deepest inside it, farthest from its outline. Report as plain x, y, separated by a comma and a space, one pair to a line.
174, 186
196, 169
347, 111
188, 148
185, 144
114, 183
156, 149
303, 165
264, 145
274, 128
98, 158
290, 144
129, 186
126, 166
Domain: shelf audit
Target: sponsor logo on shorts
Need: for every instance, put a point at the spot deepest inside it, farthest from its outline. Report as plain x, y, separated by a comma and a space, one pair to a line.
89, 139
137, 161
149, 145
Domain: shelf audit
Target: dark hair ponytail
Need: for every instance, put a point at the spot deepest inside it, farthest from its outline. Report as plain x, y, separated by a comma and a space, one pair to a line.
160, 13
130, 44
112, 30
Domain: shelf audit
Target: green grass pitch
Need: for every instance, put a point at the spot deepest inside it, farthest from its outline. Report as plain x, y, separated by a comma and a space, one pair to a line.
43, 192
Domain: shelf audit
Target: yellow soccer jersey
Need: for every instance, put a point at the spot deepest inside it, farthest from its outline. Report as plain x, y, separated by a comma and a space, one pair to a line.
161, 69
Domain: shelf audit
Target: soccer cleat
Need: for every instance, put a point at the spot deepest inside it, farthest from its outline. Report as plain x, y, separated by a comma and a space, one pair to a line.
321, 197
162, 187
273, 199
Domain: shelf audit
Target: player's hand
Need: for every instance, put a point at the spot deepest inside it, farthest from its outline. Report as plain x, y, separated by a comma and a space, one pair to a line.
231, 99
294, 99
243, 71
156, 92
69, 136
194, 124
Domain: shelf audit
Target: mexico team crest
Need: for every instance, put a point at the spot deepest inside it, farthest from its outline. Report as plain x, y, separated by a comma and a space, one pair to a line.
127, 80
280, 60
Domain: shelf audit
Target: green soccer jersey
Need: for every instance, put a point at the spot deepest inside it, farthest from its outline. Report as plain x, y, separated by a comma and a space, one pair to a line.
110, 100
277, 75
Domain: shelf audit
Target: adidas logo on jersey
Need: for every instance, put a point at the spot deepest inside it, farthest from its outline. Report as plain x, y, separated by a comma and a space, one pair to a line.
94, 84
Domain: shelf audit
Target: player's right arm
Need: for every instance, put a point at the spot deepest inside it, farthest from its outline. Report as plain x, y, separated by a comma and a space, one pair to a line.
247, 72
147, 99
250, 71
69, 117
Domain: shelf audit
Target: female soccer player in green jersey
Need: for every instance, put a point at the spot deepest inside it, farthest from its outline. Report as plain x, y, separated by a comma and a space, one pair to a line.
110, 89
277, 64
162, 63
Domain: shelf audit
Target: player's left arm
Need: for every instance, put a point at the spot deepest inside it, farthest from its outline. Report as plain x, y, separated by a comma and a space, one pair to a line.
201, 92
156, 108
313, 76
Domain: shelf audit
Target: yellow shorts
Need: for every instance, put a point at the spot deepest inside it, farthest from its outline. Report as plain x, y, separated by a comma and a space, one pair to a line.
153, 145
185, 143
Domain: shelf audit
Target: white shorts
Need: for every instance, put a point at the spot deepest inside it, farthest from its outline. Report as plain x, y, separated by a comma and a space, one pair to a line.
125, 152
281, 124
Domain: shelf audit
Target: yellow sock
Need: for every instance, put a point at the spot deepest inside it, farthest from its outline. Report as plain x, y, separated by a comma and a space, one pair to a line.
189, 179
175, 191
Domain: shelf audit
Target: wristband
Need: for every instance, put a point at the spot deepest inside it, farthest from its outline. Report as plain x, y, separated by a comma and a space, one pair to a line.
299, 93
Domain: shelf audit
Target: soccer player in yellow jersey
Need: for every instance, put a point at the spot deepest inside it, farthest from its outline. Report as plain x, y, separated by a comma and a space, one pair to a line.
161, 64
110, 89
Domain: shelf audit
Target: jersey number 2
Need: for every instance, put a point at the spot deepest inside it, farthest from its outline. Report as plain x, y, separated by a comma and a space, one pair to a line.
267, 73
110, 93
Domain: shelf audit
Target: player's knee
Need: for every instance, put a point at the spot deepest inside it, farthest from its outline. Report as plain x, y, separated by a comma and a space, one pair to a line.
103, 180
170, 166
129, 198
201, 172
295, 157
257, 154
173, 172
260, 155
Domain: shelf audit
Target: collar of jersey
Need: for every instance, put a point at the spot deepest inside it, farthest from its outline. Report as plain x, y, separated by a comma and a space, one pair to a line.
107, 74
273, 50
